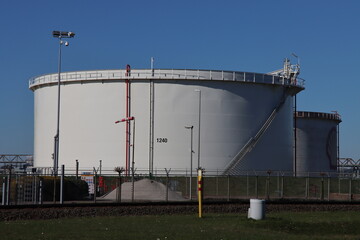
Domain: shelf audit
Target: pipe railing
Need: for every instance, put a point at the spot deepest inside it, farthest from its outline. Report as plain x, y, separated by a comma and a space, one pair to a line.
165, 74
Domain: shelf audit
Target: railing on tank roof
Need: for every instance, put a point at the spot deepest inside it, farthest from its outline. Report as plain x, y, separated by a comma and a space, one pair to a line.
166, 74
330, 116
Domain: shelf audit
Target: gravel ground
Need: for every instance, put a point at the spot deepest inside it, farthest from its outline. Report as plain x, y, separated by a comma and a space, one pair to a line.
10, 213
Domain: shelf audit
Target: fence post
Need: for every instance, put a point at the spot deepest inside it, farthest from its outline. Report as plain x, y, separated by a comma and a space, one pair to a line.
35, 190
282, 186
8, 188
187, 190
62, 184
119, 170
228, 187
54, 189
217, 182
328, 198
3, 191
247, 184
95, 184
256, 186
77, 169
307, 187
40, 192
267, 185
322, 189
167, 184
132, 184
350, 190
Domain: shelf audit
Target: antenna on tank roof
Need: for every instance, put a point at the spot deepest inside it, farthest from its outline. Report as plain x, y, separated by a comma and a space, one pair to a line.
152, 66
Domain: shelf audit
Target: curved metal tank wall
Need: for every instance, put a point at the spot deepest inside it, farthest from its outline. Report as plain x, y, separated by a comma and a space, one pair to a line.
316, 142
234, 107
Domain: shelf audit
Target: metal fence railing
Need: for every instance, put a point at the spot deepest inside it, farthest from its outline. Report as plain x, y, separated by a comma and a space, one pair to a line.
34, 188
166, 74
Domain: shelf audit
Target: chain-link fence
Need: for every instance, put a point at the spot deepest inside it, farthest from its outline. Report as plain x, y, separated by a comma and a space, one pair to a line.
95, 186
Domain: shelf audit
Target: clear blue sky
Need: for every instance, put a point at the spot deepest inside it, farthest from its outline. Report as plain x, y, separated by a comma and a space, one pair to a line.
251, 35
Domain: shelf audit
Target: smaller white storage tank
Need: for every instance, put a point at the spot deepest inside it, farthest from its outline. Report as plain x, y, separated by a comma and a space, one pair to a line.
316, 142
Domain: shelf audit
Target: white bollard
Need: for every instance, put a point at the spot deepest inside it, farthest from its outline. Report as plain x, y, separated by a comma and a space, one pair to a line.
257, 209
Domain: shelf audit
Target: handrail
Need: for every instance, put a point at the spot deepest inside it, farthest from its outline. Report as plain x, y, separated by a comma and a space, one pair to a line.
141, 74
330, 116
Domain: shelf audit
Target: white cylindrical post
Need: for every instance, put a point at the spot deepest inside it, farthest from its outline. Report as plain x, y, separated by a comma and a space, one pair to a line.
257, 209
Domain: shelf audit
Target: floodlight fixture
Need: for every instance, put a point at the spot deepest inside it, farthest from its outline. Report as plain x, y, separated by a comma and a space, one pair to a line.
62, 34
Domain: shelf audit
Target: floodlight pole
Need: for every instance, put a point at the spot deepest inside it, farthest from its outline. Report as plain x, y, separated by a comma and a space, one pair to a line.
56, 138
59, 35
191, 158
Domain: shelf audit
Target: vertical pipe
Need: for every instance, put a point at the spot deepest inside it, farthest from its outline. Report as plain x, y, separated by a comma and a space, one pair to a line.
127, 123
199, 91
127, 133
133, 161
133, 145
191, 160
151, 129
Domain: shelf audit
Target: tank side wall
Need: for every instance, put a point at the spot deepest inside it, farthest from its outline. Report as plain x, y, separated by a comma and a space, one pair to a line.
316, 145
231, 113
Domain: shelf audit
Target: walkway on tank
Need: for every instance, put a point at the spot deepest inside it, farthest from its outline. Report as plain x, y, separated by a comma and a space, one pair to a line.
164, 74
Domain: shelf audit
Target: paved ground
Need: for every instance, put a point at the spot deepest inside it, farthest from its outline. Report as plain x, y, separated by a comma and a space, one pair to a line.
144, 190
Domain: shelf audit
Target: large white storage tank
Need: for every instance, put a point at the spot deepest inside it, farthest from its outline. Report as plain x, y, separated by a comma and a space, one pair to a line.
316, 142
246, 119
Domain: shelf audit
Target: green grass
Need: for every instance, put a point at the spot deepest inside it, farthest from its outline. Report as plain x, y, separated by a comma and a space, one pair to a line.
308, 225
